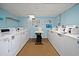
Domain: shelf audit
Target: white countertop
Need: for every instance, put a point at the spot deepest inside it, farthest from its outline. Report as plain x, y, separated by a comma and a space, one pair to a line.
76, 36
9, 34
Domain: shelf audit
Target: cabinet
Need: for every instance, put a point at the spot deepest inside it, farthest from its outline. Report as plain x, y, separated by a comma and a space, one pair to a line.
18, 41
5, 46
15, 44
65, 45
53, 38
69, 46
26, 36
12, 44
23, 37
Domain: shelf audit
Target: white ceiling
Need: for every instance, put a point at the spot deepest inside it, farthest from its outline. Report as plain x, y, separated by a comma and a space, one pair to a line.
37, 9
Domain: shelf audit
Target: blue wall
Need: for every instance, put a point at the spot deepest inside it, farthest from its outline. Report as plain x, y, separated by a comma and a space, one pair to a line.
71, 16
26, 23
43, 21
7, 22
23, 21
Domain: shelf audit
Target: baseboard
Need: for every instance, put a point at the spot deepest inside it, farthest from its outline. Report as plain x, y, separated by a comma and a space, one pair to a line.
35, 38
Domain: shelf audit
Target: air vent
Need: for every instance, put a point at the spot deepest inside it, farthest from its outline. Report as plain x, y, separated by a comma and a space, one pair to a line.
12, 19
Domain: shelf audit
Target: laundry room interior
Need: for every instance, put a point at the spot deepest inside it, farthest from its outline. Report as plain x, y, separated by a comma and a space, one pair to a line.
39, 29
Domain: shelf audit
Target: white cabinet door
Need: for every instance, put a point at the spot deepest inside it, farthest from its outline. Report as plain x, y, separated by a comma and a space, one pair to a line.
65, 45
26, 36
69, 46
76, 47
22, 39
53, 38
18, 41
15, 44
4, 49
50, 36
56, 41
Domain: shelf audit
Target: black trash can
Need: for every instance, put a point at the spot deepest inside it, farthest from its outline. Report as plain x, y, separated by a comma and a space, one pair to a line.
38, 37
